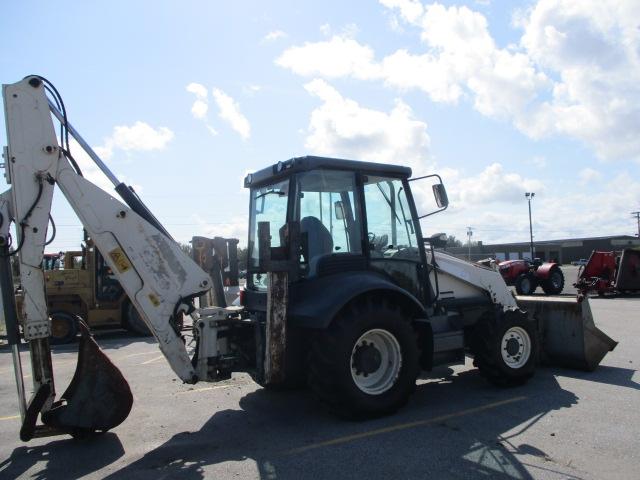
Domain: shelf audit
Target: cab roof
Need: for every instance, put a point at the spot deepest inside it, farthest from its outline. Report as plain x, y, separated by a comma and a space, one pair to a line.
285, 169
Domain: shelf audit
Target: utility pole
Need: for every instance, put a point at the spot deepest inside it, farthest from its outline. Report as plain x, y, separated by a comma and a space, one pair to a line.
637, 215
530, 196
469, 235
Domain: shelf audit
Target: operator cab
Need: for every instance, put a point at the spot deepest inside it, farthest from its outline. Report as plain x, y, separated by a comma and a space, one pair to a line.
352, 216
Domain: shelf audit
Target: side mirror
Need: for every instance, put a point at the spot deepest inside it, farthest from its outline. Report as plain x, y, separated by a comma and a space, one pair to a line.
339, 209
440, 194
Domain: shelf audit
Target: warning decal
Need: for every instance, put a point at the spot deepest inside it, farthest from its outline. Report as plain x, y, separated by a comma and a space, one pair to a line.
120, 259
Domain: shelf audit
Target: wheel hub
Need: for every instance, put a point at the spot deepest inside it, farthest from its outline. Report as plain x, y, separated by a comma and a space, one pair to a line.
366, 359
512, 346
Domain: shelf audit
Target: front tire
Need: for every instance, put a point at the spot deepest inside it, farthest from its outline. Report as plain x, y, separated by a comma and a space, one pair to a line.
506, 348
366, 363
526, 284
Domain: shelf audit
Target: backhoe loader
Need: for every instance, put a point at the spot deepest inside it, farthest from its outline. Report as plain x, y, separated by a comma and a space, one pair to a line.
344, 292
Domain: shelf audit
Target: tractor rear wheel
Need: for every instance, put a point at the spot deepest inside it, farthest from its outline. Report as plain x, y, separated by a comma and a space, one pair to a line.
506, 347
555, 283
366, 363
134, 323
526, 284
64, 328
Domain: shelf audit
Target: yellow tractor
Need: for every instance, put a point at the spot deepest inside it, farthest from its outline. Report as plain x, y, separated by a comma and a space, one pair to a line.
81, 286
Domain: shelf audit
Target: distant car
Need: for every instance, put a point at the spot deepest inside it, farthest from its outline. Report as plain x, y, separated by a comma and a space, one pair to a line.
580, 263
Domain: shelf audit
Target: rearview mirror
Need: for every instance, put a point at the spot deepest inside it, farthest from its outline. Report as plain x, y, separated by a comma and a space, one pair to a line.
440, 194
339, 209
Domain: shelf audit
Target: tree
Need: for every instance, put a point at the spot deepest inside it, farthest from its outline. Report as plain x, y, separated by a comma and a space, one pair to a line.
452, 241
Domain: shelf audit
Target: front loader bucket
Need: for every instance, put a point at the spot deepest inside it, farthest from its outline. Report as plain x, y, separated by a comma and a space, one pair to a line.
568, 334
98, 398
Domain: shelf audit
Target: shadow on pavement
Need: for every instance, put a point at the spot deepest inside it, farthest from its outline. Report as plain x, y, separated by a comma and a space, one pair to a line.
621, 377
449, 429
64, 459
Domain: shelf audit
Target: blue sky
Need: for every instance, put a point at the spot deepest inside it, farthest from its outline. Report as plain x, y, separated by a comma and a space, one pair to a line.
183, 98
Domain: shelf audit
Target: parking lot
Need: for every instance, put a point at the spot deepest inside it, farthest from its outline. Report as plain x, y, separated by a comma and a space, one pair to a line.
562, 424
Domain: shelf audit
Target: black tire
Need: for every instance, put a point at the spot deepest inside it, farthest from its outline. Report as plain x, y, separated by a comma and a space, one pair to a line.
64, 328
526, 284
134, 323
338, 353
555, 283
509, 332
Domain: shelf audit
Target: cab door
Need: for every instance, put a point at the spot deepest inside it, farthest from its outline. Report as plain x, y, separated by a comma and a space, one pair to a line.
393, 245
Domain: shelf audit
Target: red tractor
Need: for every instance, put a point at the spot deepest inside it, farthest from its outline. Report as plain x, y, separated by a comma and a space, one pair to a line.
610, 272
527, 275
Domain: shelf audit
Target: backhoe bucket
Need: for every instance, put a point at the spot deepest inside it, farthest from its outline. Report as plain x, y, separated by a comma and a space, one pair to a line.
98, 398
568, 334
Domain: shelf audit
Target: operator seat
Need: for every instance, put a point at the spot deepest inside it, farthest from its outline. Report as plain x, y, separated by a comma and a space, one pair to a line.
318, 241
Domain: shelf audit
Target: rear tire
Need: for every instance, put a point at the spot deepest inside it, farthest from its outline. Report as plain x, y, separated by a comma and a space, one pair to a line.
366, 363
506, 347
134, 322
526, 284
555, 283
64, 328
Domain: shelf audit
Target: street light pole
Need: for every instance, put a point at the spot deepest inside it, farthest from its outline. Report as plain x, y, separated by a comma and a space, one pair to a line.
469, 234
530, 196
637, 215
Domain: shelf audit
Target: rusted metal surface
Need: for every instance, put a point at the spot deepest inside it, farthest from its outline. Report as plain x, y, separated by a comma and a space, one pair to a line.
98, 398
276, 328
570, 338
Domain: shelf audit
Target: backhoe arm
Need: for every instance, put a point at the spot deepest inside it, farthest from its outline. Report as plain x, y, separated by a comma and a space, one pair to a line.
159, 278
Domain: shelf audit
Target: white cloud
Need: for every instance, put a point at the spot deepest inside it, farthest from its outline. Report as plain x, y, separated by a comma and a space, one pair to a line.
588, 175
340, 56
139, 137
493, 184
200, 105
199, 109
199, 90
574, 72
229, 111
274, 35
341, 127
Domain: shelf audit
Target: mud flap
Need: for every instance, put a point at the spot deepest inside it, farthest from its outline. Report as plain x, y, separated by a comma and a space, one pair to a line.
569, 337
98, 398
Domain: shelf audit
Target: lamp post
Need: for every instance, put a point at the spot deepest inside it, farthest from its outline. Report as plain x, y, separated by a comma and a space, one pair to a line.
530, 196
469, 234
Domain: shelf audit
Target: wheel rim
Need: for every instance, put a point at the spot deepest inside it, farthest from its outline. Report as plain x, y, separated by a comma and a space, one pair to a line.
515, 347
375, 361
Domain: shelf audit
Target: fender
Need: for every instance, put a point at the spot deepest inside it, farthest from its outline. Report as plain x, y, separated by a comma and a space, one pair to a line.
544, 270
314, 303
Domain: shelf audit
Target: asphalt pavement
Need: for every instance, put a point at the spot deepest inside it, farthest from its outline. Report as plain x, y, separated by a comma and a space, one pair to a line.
563, 424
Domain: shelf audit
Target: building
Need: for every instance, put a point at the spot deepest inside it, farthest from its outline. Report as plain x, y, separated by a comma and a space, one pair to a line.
564, 251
